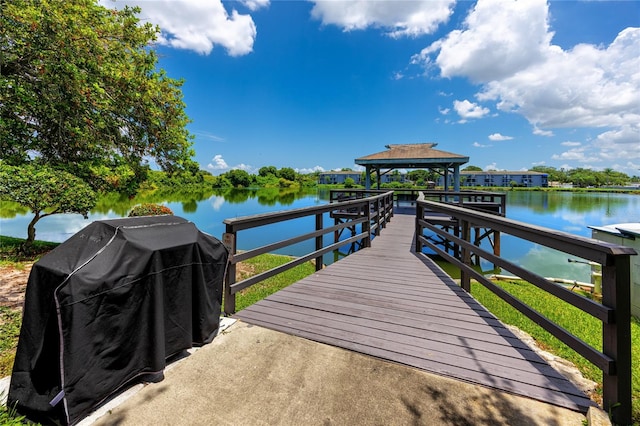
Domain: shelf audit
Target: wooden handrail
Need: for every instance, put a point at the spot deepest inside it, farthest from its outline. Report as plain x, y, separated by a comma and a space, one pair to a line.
370, 206
615, 359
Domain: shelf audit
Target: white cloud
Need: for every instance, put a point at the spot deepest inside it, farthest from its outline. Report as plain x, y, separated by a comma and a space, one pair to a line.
498, 39
499, 137
398, 18
490, 167
209, 136
218, 163
581, 154
540, 132
247, 168
306, 171
198, 25
466, 110
506, 47
570, 143
444, 111
254, 5
479, 145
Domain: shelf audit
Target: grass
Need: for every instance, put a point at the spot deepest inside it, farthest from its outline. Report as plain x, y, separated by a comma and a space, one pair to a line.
255, 293
574, 320
13, 254
10, 320
9, 417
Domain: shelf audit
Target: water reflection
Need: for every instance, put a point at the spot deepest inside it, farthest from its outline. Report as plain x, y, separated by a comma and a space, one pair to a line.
563, 211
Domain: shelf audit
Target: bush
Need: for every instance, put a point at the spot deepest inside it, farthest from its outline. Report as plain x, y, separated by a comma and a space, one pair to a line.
149, 209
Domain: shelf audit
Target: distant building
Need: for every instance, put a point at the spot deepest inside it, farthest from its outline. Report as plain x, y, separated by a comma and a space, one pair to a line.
502, 178
338, 177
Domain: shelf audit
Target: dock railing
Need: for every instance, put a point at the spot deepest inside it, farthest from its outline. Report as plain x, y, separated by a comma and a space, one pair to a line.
372, 212
614, 312
474, 199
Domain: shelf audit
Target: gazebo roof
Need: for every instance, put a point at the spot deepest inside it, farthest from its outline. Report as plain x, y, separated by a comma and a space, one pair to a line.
412, 156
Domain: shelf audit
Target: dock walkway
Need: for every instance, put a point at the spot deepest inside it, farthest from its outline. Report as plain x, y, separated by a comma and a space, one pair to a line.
388, 302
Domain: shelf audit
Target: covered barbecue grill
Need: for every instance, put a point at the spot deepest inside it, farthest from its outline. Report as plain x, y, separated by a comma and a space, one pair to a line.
109, 305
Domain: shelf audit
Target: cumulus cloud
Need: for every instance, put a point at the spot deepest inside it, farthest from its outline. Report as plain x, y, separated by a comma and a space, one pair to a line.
506, 47
498, 39
490, 167
398, 18
581, 154
247, 168
306, 171
467, 110
499, 137
198, 25
479, 145
218, 163
570, 143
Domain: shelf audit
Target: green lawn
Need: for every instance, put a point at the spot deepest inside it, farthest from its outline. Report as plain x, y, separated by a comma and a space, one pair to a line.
264, 262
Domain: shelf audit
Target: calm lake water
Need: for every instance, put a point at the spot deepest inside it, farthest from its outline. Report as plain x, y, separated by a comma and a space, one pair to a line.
564, 211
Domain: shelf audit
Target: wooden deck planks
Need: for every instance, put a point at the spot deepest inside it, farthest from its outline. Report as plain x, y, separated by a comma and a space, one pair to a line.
388, 302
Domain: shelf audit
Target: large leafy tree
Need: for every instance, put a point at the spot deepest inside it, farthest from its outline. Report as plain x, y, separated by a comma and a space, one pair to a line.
79, 91
80, 94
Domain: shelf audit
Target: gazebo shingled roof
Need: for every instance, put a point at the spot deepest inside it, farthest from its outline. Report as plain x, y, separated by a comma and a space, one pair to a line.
411, 156
414, 156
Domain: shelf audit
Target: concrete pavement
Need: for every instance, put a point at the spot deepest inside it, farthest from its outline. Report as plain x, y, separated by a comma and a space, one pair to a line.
254, 376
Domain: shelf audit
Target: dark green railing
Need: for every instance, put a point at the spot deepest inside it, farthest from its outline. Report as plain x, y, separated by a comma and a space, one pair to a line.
614, 312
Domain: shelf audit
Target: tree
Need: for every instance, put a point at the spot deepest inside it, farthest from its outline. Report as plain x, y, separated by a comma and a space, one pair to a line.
81, 93
472, 169
553, 174
268, 171
287, 173
238, 178
349, 183
44, 191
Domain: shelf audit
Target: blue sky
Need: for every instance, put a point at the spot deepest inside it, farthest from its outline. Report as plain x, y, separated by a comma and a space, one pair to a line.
313, 85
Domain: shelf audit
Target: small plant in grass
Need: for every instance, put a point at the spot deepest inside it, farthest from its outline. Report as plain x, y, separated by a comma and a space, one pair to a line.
9, 416
149, 209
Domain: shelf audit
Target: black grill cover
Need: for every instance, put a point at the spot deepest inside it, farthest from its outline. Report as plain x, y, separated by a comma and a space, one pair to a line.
110, 304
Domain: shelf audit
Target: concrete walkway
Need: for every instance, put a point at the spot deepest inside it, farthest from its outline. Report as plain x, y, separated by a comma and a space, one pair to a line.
254, 376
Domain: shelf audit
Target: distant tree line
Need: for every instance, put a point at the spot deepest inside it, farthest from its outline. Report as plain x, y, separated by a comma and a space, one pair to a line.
267, 177
583, 178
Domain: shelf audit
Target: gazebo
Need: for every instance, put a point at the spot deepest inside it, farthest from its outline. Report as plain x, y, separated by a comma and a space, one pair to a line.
414, 156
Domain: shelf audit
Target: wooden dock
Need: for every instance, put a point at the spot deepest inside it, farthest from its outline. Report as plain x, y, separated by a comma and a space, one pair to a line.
389, 302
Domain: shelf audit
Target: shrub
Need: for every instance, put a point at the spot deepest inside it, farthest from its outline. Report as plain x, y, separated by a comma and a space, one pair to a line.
149, 209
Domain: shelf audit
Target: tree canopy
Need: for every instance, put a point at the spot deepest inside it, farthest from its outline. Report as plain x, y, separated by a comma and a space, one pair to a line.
80, 92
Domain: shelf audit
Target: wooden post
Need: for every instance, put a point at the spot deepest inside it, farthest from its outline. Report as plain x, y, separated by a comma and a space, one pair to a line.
319, 242
366, 225
229, 240
419, 215
465, 278
379, 216
616, 340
